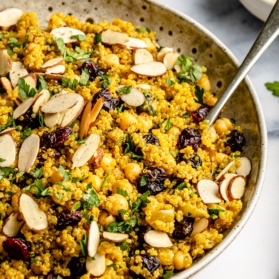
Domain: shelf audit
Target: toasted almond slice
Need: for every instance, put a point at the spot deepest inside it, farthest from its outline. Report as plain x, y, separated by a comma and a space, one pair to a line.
52, 62
10, 17
31, 80
33, 216
52, 119
96, 267
115, 237
66, 34
93, 239
178, 68
85, 121
23, 107
134, 43
41, 99
58, 69
49, 76
208, 191
142, 56
245, 167
11, 225
111, 37
225, 170
28, 153
135, 98
6, 83
151, 69
161, 54
96, 109
60, 103
170, 60
8, 130
236, 187
157, 239
143, 86
7, 150
229, 175
16, 72
86, 151
199, 226
6, 62
72, 113
223, 188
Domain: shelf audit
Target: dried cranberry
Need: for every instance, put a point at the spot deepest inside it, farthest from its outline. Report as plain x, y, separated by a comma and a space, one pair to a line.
94, 70
109, 102
195, 161
151, 263
189, 137
68, 219
236, 141
17, 248
77, 267
183, 229
151, 139
27, 120
56, 138
200, 114
152, 181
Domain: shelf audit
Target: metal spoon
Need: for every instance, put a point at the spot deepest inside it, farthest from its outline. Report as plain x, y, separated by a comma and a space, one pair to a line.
267, 35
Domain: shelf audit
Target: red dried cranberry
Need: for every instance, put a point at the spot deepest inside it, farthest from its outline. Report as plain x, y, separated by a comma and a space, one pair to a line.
200, 114
151, 263
195, 161
68, 219
236, 141
17, 248
109, 102
189, 137
77, 267
151, 139
183, 229
94, 70
56, 138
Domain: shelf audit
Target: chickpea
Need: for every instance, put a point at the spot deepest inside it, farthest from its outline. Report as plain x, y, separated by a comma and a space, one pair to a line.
174, 131
56, 176
118, 173
116, 202
144, 122
132, 171
95, 180
108, 163
128, 122
122, 184
213, 133
220, 126
182, 260
36, 265
15, 200
210, 100
105, 218
228, 123
111, 60
220, 157
204, 83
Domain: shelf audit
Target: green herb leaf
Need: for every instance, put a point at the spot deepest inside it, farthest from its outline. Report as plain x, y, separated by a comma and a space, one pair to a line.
168, 125
64, 173
38, 172
181, 186
84, 78
42, 83
199, 92
186, 115
38, 188
119, 109
105, 180
59, 277
13, 42
125, 90
6, 171
169, 82
24, 89
141, 201
76, 206
122, 245
143, 30
124, 227
214, 213
79, 37
273, 87
143, 180
27, 131
90, 197
41, 119
122, 192
98, 38
68, 83
2, 160
83, 245
146, 106
106, 81
167, 274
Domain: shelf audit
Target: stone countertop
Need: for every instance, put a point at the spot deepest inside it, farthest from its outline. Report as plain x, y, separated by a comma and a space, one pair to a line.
255, 251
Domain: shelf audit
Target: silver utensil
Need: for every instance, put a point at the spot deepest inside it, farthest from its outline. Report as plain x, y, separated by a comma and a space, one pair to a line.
267, 35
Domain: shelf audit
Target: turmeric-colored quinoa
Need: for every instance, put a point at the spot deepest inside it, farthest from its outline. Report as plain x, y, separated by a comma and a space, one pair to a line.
142, 175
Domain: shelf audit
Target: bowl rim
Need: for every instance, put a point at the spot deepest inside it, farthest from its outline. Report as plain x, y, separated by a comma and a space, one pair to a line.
218, 249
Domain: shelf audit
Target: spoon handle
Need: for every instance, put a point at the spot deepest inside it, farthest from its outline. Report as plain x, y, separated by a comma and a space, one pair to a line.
267, 35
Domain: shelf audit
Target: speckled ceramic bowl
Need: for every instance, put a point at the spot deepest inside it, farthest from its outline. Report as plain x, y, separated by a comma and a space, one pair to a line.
185, 36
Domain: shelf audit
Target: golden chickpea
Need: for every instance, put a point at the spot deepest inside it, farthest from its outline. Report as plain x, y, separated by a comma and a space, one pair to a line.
144, 122
36, 265
111, 60
118, 173
105, 218
122, 184
174, 131
128, 122
56, 176
220, 126
204, 83
116, 202
220, 157
132, 171
228, 123
210, 100
108, 163
182, 260
95, 180
213, 133
15, 200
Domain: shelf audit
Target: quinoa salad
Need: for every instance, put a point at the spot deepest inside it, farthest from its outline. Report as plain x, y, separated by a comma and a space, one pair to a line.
107, 166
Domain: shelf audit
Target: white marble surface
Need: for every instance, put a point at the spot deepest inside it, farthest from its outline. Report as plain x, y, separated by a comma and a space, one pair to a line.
255, 251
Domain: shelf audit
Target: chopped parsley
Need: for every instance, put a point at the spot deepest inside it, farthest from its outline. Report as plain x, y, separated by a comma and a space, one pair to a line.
143, 30
214, 213
6, 171
169, 82
129, 146
38, 188
199, 92
125, 90
76, 206
90, 197
146, 106
69, 83
84, 78
105, 180
106, 81
79, 37
83, 245
24, 89
273, 87
167, 274
64, 173
141, 201
37, 173
186, 115
98, 38
168, 124
27, 131
10, 123
41, 118
42, 83
2, 160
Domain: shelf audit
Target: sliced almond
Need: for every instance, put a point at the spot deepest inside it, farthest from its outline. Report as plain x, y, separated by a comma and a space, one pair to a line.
33, 216
151, 69
52, 119
8, 130
143, 86
111, 37
199, 226
60, 103
6, 62
178, 68
163, 51
236, 187
135, 98
245, 167
142, 56
49, 76
23, 107
16, 72
6, 83
10, 17
96, 109
86, 151
223, 188
208, 191
11, 225
157, 239
115, 237
28, 153
66, 34
170, 60
58, 69
85, 120
93, 239
97, 266
225, 170
134, 43
7, 150
52, 62
41, 99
